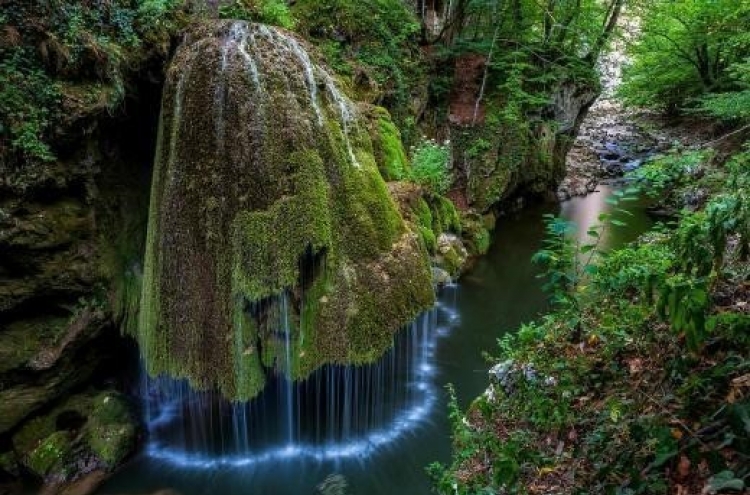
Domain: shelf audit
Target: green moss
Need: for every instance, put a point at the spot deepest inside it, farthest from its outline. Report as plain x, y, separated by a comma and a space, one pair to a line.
277, 202
389, 149
425, 225
445, 217
21, 340
269, 244
111, 429
8, 464
452, 262
50, 454
482, 241
107, 429
248, 371
508, 155
476, 234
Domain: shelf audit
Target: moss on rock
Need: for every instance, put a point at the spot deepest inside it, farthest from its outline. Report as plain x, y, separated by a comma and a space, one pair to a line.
98, 429
267, 206
387, 145
111, 429
50, 455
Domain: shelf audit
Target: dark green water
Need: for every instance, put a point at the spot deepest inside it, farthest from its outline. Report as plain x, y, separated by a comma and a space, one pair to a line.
499, 294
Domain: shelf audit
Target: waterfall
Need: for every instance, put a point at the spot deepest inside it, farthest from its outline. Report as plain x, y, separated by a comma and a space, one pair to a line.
338, 412
290, 46
262, 165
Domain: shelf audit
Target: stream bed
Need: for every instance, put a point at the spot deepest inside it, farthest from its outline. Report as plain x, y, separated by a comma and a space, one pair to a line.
499, 293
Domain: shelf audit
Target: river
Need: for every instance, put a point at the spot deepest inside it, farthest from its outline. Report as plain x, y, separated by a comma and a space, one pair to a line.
499, 293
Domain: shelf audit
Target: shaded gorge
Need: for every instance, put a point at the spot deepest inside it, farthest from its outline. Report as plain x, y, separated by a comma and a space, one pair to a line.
372, 428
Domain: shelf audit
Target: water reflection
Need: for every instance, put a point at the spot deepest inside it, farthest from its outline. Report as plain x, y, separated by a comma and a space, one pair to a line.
585, 212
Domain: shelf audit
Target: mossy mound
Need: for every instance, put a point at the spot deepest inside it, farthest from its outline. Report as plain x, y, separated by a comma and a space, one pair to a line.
390, 154
270, 224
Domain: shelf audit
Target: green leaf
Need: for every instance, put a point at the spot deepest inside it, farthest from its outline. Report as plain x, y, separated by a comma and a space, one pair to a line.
724, 480
664, 457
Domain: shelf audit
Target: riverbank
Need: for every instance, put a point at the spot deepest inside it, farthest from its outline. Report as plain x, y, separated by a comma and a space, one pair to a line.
638, 381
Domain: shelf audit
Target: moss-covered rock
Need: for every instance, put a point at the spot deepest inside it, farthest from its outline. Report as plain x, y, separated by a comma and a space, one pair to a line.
85, 432
476, 233
519, 149
111, 429
451, 254
390, 154
43, 358
268, 207
50, 455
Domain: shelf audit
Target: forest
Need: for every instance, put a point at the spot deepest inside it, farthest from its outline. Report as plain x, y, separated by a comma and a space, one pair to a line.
374, 246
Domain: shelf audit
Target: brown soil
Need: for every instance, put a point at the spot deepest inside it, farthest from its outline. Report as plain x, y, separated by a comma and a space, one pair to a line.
467, 84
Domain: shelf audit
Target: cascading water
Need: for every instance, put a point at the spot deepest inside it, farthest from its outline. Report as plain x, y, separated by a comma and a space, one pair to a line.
276, 257
267, 200
338, 412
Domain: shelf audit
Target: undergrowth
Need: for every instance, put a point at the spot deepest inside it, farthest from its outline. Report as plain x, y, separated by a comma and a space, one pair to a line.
639, 381
58, 59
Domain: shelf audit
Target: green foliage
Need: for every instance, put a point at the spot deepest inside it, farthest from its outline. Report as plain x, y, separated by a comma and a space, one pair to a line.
731, 106
559, 29
635, 269
558, 258
274, 12
568, 262
617, 404
29, 101
669, 171
429, 166
684, 302
376, 39
70, 52
690, 50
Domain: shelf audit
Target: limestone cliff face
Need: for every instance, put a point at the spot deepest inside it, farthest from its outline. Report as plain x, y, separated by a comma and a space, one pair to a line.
501, 149
71, 237
273, 244
59, 225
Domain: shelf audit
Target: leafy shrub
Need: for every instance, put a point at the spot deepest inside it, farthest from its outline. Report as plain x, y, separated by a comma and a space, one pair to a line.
50, 49
274, 12
669, 171
375, 39
731, 105
28, 103
635, 269
429, 166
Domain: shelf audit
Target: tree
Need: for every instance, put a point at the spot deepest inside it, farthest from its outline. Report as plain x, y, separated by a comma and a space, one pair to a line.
686, 50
